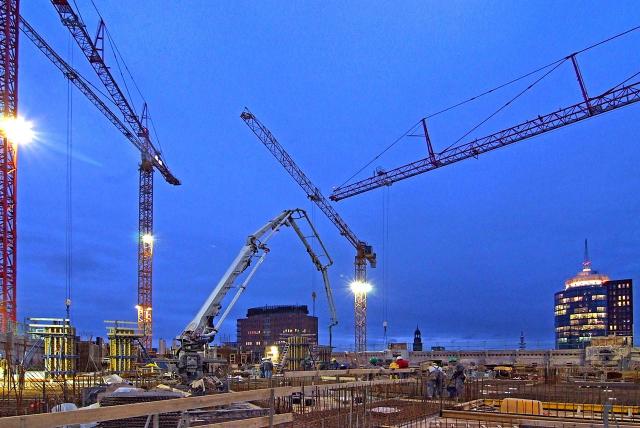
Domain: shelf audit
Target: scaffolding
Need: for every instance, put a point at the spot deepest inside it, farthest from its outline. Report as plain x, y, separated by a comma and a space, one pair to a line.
122, 348
299, 353
59, 345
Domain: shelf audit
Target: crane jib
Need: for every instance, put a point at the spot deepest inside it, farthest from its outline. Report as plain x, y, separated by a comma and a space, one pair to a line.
595, 106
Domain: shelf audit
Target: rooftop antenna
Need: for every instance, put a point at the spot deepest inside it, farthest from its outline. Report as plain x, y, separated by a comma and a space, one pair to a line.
586, 264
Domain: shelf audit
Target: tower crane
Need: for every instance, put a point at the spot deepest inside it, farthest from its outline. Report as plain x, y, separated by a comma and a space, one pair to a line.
151, 158
364, 252
619, 96
203, 328
9, 17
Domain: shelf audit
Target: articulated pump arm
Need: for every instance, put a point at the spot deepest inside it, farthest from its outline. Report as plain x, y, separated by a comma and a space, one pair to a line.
322, 267
201, 329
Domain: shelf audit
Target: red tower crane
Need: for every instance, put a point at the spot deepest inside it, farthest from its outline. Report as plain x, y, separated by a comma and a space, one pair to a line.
93, 50
619, 96
364, 252
9, 17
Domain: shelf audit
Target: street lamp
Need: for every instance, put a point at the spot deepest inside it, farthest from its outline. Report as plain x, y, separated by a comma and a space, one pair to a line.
147, 239
360, 289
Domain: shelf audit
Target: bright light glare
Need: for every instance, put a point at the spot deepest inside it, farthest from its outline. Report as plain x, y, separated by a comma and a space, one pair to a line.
275, 353
359, 287
147, 238
17, 130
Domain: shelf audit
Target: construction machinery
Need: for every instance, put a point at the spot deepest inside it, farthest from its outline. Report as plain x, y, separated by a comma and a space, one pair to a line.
364, 252
192, 360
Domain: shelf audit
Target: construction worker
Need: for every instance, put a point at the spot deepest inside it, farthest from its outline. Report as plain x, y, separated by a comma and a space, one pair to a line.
267, 367
456, 383
432, 382
334, 364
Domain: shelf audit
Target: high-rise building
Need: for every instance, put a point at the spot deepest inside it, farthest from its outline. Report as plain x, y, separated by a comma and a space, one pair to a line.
271, 325
592, 305
417, 340
620, 308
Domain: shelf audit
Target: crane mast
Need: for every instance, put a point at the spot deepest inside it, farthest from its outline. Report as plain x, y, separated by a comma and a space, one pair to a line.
151, 158
613, 99
364, 252
9, 17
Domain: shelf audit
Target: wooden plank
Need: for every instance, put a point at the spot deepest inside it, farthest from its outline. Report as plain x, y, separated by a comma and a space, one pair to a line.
260, 422
346, 372
513, 419
174, 405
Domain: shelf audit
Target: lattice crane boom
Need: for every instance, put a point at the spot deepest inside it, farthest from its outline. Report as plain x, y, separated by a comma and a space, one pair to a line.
364, 252
78, 81
313, 193
94, 55
590, 107
152, 159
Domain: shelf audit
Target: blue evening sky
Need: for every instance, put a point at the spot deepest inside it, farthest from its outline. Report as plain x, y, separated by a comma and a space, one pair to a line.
475, 250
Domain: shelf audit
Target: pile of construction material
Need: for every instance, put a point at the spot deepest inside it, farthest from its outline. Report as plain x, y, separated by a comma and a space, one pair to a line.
129, 395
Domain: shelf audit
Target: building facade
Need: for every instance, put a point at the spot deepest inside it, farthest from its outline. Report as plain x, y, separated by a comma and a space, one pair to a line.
592, 305
620, 309
271, 326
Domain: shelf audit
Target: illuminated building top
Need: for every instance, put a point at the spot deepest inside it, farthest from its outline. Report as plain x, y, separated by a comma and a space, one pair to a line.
586, 277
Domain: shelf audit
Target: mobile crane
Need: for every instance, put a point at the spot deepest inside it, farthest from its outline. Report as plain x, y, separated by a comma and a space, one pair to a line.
192, 363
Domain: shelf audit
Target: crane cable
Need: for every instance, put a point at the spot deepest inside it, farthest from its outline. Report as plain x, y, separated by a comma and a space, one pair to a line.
503, 85
385, 251
69, 192
505, 105
119, 58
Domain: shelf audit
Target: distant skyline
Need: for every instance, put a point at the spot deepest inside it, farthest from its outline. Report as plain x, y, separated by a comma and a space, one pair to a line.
474, 251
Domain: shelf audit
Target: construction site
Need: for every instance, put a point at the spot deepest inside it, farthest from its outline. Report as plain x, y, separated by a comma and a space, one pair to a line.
290, 365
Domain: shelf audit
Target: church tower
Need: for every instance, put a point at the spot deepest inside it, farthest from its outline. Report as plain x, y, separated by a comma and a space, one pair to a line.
417, 340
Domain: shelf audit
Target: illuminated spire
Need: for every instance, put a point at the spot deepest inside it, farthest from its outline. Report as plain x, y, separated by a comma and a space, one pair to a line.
586, 276
586, 264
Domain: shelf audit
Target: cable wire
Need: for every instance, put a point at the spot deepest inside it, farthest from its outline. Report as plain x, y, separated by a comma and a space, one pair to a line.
410, 130
120, 59
69, 192
508, 103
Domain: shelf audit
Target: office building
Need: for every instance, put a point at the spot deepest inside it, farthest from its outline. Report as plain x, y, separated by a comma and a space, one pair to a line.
620, 309
272, 325
592, 305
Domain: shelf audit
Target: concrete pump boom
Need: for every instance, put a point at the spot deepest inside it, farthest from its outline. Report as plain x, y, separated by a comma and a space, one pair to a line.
202, 330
